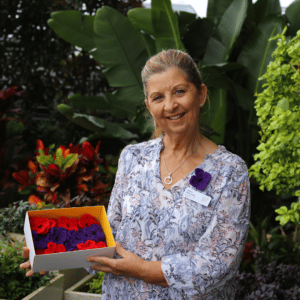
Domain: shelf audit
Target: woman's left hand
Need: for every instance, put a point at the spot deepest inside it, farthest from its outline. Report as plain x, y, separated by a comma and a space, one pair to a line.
129, 265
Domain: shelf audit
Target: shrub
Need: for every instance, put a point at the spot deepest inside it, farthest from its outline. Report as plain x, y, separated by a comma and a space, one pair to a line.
270, 281
13, 282
96, 284
12, 218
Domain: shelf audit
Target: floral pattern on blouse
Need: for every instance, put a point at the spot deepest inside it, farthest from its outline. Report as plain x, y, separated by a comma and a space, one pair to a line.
200, 247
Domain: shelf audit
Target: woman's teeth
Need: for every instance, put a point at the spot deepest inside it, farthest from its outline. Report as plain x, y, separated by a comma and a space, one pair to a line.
176, 117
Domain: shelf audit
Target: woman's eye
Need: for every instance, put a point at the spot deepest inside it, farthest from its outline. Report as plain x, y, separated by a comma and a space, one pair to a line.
156, 98
180, 92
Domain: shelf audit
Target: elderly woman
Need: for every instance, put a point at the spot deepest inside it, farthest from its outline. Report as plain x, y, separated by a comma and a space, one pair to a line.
180, 206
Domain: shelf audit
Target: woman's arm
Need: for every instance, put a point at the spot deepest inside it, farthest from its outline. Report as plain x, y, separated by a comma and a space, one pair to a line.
130, 265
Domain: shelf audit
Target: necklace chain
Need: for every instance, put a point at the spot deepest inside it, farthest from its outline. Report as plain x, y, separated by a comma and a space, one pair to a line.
169, 176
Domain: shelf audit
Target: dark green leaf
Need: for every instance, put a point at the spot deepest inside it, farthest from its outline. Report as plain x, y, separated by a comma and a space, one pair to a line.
216, 9
74, 28
220, 45
197, 36
141, 19
256, 54
263, 8
165, 24
102, 127
121, 49
293, 12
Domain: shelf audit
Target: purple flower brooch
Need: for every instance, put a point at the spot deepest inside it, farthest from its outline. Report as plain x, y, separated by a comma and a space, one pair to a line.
200, 180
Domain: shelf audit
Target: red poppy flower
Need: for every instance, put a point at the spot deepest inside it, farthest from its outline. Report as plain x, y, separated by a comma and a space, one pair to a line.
41, 225
68, 223
51, 247
89, 244
87, 220
60, 248
101, 244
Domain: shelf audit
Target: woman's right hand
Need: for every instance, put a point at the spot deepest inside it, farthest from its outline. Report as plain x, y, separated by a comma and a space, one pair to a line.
26, 265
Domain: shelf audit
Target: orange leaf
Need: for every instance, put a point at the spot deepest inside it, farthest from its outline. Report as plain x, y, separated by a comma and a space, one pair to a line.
34, 200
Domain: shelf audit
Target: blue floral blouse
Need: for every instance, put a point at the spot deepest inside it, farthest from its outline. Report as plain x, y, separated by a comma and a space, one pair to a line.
200, 247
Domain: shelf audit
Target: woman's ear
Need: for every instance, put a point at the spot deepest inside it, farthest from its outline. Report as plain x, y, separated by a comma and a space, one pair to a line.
203, 94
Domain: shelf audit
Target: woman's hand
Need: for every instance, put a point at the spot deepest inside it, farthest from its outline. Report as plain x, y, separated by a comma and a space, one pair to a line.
130, 265
26, 265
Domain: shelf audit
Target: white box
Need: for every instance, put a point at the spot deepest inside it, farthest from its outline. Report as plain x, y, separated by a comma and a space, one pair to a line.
69, 259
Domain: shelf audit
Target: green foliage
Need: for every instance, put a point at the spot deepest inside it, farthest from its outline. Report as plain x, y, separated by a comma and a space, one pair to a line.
12, 218
96, 284
277, 107
13, 282
286, 215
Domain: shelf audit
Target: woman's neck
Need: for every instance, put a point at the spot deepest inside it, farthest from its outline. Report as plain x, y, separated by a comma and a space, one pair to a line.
182, 146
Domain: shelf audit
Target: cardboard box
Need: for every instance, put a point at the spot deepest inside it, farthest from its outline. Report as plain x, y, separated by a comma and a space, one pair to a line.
69, 259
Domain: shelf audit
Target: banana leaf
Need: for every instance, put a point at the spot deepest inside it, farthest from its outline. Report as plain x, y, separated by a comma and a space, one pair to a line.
121, 49
102, 127
215, 115
109, 103
292, 13
256, 54
263, 8
216, 9
165, 24
220, 45
141, 19
73, 27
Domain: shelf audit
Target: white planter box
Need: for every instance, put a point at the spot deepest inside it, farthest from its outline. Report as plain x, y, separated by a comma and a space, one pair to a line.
54, 290
73, 294
72, 276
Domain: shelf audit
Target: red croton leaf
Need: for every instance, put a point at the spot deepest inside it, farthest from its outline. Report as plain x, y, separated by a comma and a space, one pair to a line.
53, 170
88, 151
33, 167
24, 179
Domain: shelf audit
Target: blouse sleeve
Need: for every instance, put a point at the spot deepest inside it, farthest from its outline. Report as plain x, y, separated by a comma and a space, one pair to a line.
216, 258
114, 211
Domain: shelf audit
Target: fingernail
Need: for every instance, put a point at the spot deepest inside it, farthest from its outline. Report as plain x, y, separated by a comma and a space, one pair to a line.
21, 266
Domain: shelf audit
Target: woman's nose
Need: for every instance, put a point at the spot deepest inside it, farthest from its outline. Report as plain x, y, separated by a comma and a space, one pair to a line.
170, 104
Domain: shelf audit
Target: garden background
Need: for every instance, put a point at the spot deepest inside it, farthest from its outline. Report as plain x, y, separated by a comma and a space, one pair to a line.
71, 78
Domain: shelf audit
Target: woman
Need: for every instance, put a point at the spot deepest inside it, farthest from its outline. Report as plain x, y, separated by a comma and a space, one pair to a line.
180, 207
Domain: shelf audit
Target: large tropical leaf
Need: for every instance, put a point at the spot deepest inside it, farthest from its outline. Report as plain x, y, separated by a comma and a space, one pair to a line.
196, 36
216, 9
263, 8
215, 115
141, 19
121, 49
99, 126
256, 54
165, 24
110, 103
293, 12
73, 27
220, 45
215, 77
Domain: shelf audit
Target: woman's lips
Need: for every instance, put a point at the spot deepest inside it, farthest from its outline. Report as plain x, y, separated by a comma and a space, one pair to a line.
181, 115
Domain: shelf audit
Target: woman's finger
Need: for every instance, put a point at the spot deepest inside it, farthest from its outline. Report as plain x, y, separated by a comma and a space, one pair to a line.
25, 252
25, 265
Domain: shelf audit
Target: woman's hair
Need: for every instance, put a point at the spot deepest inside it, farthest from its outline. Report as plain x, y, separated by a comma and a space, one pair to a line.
159, 63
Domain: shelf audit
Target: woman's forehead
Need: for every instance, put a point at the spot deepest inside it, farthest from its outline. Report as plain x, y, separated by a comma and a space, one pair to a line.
168, 78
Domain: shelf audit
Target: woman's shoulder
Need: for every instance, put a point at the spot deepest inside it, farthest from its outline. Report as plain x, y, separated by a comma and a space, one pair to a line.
227, 159
143, 146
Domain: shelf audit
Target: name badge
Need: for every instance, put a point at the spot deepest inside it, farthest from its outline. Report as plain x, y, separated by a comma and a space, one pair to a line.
196, 196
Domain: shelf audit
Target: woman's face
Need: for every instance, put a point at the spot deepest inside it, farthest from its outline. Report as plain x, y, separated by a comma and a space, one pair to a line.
171, 94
